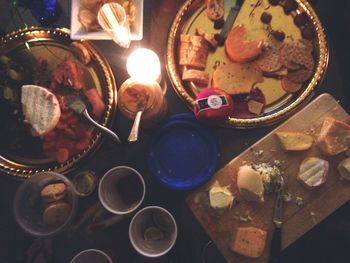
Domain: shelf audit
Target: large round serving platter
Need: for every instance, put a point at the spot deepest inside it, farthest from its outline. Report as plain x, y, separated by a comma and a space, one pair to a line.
54, 45
279, 104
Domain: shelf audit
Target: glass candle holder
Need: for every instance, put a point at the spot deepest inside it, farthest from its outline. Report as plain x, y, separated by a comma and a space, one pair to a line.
135, 93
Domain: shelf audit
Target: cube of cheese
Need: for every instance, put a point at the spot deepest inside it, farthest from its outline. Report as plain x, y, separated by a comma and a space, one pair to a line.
294, 141
249, 242
334, 137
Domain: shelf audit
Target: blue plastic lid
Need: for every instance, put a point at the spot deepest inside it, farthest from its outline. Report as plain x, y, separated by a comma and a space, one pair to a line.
183, 154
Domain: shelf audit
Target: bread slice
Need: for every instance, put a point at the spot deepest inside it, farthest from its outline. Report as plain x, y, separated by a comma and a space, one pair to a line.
40, 108
295, 141
249, 242
334, 137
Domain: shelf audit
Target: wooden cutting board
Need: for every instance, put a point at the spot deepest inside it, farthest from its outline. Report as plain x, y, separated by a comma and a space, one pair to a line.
318, 203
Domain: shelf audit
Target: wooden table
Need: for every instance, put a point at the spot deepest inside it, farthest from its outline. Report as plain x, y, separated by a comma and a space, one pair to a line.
328, 242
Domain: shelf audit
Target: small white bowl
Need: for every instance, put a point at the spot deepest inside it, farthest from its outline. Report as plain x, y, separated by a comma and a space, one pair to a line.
144, 219
108, 190
91, 256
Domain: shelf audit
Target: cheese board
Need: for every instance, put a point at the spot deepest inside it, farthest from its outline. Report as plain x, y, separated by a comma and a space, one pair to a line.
305, 208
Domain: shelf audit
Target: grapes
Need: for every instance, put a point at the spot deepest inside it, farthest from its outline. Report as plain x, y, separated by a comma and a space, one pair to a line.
289, 6
301, 19
274, 2
266, 17
279, 35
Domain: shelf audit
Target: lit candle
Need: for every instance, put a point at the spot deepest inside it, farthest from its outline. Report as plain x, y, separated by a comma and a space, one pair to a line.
143, 64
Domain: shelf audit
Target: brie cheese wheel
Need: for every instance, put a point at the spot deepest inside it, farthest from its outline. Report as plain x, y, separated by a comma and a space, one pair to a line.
250, 184
344, 168
220, 196
40, 108
313, 172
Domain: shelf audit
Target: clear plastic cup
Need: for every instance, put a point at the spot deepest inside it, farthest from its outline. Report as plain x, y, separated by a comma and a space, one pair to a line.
29, 206
91, 256
114, 20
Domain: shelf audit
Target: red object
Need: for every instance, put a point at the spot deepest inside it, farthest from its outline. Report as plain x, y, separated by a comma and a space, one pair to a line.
240, 50
96, 102
213, 105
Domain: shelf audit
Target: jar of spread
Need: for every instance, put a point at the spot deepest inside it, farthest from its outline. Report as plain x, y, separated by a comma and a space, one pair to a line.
147, 96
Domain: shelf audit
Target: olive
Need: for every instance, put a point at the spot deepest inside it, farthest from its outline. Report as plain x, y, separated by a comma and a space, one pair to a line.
274, 2
218, 24
220, 39
307, 32
289, 6
266, 17
279, 35
301, 19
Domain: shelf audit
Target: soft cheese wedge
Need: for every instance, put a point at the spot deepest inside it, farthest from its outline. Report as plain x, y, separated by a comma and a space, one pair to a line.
334, 137
220, 197
294, 141
250, 184
313, 172
40, 108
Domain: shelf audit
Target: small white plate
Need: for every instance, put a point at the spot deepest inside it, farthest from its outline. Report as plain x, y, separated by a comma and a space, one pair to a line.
78, 32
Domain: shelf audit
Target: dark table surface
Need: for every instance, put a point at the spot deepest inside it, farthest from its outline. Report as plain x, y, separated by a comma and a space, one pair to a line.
327, 242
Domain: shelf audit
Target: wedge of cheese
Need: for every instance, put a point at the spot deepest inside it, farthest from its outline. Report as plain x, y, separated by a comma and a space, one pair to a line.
334, 137
294, 141
313, 172
40, 108
250, 184
249, 242
220, 197
344, 168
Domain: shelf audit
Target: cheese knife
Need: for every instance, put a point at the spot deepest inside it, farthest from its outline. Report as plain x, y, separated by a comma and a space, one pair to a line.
276, 242
230, 19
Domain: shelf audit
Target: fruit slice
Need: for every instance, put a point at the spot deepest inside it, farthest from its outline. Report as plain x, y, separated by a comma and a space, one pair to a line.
238, 48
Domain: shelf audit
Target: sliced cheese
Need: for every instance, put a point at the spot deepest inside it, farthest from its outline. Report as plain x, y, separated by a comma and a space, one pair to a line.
220, 197
250, 184
334, 137
313, 172
40, 108
255, 107
344, 168
295, 141
249, 242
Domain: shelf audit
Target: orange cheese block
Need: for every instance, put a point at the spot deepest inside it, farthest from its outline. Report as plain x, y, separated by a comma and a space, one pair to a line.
334, 137
249, 242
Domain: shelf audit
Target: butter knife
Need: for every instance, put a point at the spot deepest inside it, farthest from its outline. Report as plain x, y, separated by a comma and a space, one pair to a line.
276, 242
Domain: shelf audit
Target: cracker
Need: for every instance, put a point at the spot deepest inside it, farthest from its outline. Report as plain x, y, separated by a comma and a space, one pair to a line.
269, 60
301, 75
290, 86
286, 56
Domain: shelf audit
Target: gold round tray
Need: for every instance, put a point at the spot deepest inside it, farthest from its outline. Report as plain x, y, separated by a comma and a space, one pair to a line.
54, 46
192, 14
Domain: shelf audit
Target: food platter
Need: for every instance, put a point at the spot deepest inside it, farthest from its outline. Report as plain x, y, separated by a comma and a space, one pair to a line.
279, 104
54, 45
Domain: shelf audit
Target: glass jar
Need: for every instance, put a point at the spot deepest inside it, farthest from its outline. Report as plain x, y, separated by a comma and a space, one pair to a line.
135, 95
